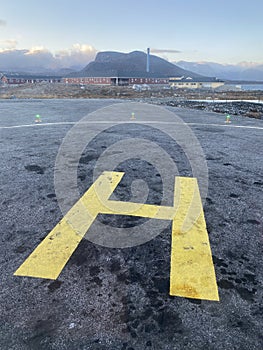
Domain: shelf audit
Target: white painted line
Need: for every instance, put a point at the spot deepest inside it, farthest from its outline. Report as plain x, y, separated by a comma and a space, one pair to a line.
34, 125
229, 126
128, 122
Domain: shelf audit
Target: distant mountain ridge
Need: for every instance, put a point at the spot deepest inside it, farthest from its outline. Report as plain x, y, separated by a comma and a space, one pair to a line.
133, 64
242, 71
39, 71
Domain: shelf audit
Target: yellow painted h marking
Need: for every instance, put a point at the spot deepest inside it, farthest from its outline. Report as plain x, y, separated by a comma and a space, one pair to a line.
192, 272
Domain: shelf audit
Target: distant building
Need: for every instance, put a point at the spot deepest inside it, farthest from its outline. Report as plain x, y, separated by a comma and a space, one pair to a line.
88, 80
119, 81
195, 83
3, 79
30, 79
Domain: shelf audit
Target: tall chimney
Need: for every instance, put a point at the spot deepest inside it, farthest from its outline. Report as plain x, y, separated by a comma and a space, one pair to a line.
148, 60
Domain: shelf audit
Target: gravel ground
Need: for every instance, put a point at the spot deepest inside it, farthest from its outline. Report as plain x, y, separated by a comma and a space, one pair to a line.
248, 109
117, 299
156, 95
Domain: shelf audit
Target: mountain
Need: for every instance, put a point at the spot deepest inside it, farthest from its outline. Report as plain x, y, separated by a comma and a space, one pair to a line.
241, 71
133, 64
40, 70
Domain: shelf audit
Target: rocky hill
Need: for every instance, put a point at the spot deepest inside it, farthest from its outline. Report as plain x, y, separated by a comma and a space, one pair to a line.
133, 64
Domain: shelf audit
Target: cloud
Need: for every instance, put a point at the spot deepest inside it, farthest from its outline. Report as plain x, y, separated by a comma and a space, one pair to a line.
79, 54
2, 22
165, 51
7, 44
250, 64
23, 59
40, 58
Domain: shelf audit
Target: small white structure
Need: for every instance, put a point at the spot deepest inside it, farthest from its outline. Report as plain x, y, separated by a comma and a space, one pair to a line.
195, 83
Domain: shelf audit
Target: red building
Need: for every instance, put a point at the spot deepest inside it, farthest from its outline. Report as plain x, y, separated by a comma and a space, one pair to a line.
120, 81
88, 80
18, 79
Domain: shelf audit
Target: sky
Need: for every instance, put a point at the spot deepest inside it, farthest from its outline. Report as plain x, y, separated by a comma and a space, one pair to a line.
64, 33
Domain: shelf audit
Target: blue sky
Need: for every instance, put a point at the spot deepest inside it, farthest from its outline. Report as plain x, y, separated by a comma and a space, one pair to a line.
224, 31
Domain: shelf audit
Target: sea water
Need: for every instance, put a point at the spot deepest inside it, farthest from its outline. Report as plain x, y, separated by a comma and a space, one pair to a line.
251, 87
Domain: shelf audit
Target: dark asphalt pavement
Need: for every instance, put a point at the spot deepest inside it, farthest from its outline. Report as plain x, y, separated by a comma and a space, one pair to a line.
118, 299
